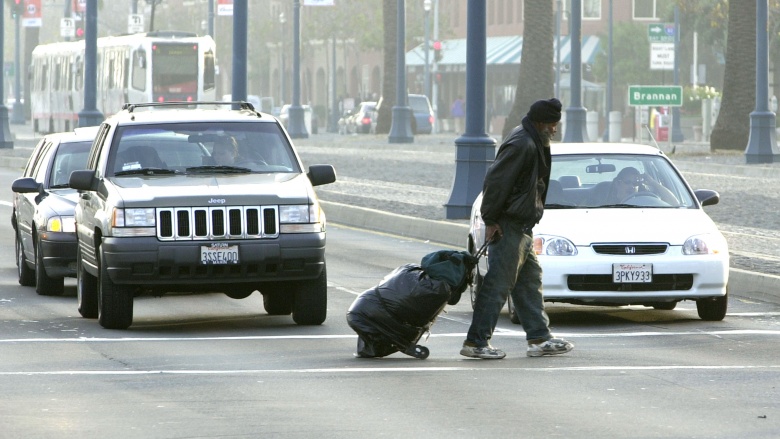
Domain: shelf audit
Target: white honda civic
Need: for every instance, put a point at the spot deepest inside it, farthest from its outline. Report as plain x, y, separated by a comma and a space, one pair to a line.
621, 226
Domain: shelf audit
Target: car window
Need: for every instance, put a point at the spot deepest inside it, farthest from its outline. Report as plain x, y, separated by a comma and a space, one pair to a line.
190, 147
419, 104
594, 181
38, 154
68, 158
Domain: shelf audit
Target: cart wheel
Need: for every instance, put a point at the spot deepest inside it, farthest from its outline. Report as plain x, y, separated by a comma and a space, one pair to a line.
420, 352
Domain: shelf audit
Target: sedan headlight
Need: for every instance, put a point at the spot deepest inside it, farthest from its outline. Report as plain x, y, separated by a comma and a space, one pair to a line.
301, 218
707, 244
66, 224
133, 222
554, 246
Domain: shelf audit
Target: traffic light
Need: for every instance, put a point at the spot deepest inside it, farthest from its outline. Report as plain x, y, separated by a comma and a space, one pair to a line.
17, 9
437, 51
79, 33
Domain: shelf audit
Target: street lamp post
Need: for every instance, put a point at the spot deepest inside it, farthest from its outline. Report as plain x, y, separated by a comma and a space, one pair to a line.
401, 128
240, 25
475, 149
6, 138
17, 116
762, 143
282, 21
427, 73
576, 113
296, 125
676, 134
89, 116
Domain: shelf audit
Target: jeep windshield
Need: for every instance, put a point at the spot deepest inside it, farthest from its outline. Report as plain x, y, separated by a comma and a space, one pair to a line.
201, 148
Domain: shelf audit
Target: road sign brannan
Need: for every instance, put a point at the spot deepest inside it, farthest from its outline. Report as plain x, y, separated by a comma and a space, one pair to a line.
655, 95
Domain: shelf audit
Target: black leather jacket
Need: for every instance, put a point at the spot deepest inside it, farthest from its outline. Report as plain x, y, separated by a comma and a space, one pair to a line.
516, 183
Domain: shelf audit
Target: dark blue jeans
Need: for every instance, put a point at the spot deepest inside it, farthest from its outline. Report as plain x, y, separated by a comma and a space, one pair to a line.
512, 269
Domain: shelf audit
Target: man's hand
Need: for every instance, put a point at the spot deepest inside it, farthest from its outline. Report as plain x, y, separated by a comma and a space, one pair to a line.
493, 233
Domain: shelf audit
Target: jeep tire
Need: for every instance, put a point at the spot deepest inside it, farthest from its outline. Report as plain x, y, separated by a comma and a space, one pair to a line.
311, 300
115, 302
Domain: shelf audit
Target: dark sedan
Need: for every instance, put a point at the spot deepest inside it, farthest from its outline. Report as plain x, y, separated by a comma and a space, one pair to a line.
43, 211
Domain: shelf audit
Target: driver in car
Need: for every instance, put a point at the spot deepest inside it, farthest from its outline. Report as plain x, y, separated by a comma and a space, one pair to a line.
225, 152
629, 183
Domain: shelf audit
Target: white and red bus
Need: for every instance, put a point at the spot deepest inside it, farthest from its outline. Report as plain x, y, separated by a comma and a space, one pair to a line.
156, 66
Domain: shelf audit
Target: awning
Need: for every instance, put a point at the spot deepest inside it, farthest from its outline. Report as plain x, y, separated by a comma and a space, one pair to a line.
501, 50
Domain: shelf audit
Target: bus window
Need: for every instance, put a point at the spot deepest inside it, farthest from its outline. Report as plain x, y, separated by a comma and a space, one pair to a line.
139, 70
209, 71
174, 71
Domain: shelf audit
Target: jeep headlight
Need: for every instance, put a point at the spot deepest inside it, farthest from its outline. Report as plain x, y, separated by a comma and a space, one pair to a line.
554, 246
301, 218
133, 222
66, 224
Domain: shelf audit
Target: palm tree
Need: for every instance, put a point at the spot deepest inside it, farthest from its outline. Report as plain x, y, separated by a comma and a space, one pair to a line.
390, 23
536, 78
732, 129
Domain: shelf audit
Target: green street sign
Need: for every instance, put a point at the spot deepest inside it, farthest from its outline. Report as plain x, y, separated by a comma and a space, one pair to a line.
660, 32
655, 95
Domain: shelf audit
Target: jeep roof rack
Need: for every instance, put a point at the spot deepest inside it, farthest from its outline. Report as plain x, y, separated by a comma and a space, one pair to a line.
242, 105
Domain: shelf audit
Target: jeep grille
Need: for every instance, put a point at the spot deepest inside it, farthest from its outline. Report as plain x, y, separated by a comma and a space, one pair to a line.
210, 223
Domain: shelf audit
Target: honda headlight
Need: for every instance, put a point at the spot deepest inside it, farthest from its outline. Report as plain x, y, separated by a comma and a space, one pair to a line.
554, 246
706, 244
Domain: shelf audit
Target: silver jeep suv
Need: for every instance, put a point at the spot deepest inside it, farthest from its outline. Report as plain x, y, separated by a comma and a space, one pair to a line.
198, 198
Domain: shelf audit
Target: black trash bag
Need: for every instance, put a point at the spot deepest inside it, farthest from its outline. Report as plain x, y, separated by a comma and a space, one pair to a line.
453, 267
392, 316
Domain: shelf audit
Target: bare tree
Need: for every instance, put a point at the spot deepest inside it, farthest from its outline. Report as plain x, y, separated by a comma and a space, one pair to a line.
732, 129
536, 78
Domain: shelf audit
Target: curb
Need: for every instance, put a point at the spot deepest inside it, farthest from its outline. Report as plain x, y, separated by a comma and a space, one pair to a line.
742, 283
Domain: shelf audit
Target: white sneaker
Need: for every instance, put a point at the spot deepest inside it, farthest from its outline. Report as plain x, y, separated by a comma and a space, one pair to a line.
553, 346
487, 352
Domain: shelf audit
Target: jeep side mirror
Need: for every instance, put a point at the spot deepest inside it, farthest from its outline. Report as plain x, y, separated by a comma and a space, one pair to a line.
321, 174
83, 180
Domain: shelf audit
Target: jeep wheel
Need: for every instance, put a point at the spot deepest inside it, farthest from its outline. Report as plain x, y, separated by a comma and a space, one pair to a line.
115, 303
86, 290
278, 302
311, 301
26, 274
45, 285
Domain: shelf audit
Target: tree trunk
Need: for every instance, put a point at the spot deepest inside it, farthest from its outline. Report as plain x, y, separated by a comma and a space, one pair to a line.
390, 23
732, 129
536, 77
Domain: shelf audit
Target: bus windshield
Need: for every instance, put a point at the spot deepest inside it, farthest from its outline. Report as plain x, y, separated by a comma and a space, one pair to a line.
175, 71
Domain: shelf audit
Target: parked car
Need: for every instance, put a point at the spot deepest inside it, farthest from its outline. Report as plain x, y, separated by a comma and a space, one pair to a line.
309, 118
422, 123
655, 247
159, 212
362, 119
43, 206
422, 113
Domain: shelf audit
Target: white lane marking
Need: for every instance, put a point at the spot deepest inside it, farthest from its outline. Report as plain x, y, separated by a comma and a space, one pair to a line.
6, 203
374, 370
503, 333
